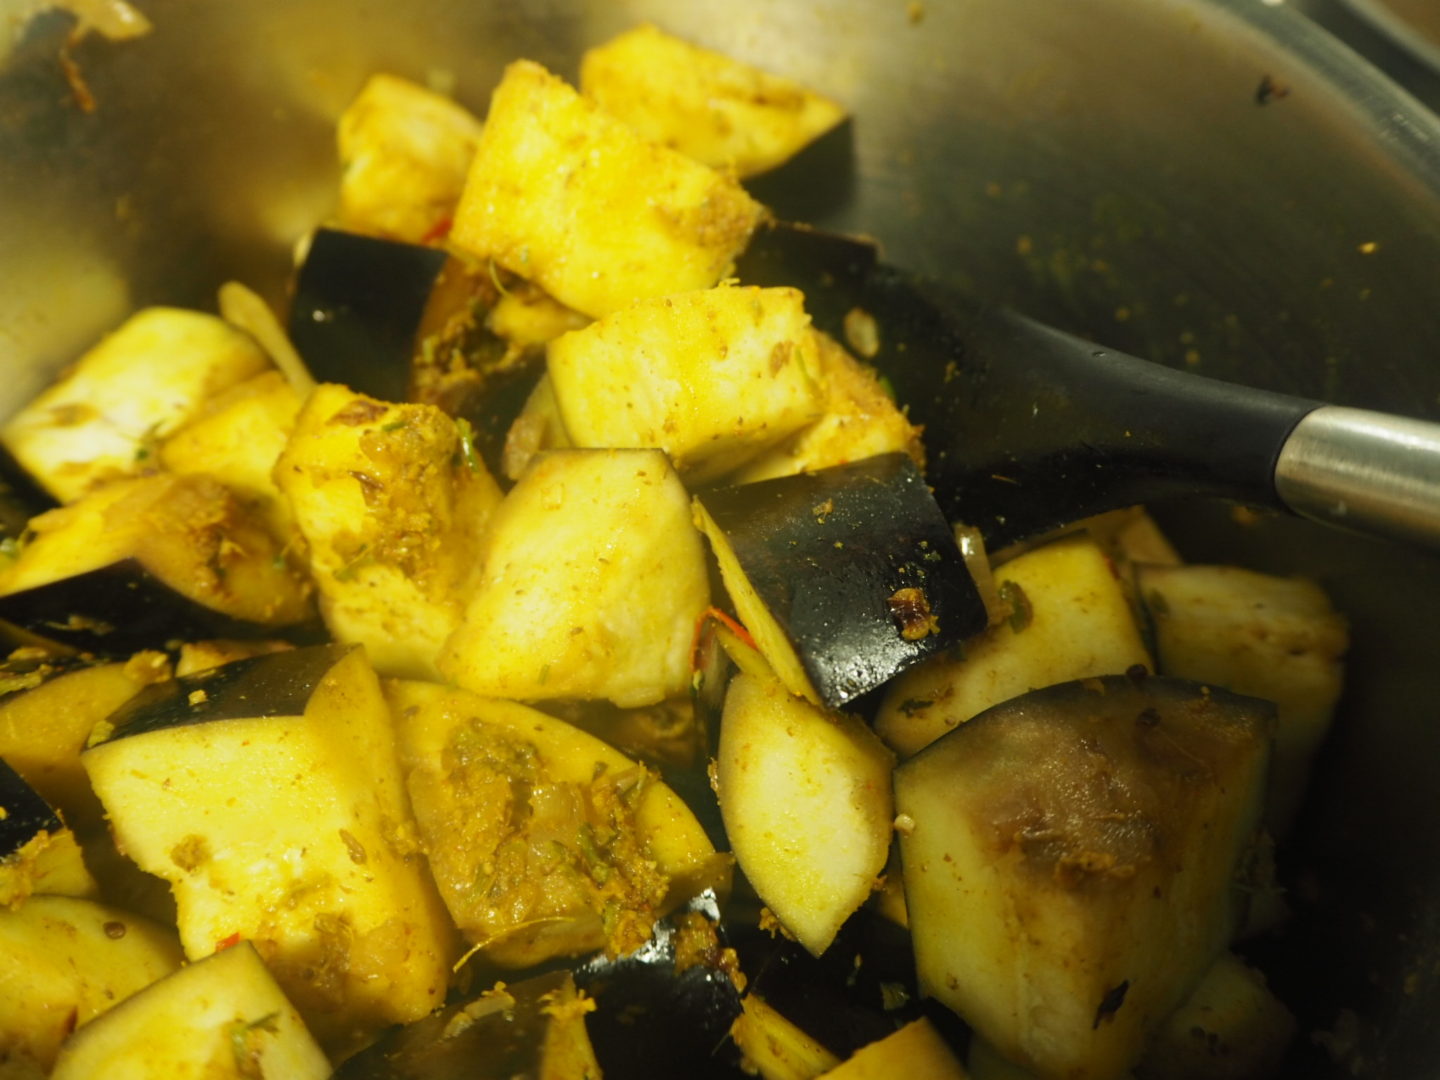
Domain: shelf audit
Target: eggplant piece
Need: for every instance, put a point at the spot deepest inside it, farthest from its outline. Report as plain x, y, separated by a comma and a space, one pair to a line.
237, 440
1231, 1028
572, 199
709, 106
775, 1048
276, 684
402, 322
63, 963
46, 719
26, 815
140, 562
1073, 862
677, 992
392, 508
915, 1051
222, 1017
805, 796
1069, 617
857, 992
543, 840
404, 152
529, 1030
713, 377
1271, 637
592, 581
268, 793
357, 306
860, 419
38, 854
844, 577
103, 418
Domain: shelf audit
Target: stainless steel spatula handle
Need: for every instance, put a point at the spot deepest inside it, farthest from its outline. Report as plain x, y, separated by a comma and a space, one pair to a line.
1364, 471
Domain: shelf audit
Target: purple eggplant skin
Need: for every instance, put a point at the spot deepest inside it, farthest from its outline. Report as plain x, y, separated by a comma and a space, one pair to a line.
858, 991
358, 304
651, 1018
829, 552
275, 684
20, 497
361, 309
117, 610
26, 816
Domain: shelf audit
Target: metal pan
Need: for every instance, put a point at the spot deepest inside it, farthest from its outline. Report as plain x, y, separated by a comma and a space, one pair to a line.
1217, 185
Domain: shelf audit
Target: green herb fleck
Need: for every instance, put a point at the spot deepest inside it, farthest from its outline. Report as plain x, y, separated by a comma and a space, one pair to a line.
495, 273
395, 425
149, 442
351, 568
893, 995
244, 1039
595, 862
468, 454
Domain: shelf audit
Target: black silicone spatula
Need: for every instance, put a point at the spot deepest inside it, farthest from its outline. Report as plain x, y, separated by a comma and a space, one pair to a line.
1028, 428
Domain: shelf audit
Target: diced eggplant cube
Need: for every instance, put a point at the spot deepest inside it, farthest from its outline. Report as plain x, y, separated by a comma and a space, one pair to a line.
569, 197
104, 416
1231, 1028
543, 840
278, 684
591, 582
392, 505
712, 377
805, 796
221, 1017
65, 963
1069, 618
1271, 637
404, 150
1073, 862
845, 576
47, 711
140, 562
268, 793
709, 106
